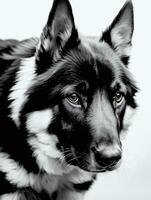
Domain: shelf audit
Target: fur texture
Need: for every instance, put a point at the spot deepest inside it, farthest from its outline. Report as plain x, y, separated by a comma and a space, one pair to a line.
65, 99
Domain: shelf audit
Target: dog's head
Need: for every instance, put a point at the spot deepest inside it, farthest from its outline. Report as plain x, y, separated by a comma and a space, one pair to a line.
78, 104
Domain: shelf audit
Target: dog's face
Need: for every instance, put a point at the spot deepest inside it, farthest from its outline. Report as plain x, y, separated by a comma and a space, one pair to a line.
83, 91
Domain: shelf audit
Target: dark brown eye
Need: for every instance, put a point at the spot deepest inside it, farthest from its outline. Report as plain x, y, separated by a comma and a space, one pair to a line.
118, 97
74, 99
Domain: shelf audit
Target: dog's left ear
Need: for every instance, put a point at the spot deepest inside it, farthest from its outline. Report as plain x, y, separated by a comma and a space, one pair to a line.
58, 34
119, 34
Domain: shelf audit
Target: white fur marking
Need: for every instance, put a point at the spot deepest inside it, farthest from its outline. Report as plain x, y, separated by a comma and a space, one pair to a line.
79, 176
12, 196
50, 183
24, 79
39, 121
16, 174
129, 113
46, 153
44, 144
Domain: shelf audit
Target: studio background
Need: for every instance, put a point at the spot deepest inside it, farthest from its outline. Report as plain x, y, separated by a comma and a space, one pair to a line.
21, 19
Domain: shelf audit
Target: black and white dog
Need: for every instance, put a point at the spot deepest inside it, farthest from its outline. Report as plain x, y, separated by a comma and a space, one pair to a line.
65, 99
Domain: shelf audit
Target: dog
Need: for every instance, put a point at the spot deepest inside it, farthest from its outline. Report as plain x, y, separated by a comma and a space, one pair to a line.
65, 101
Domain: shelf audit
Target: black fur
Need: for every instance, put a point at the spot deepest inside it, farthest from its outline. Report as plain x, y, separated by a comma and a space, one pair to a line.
65, 64
30, 194
83, 186
5, 185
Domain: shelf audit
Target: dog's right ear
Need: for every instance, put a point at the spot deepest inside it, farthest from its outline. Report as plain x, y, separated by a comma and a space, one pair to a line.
58, 34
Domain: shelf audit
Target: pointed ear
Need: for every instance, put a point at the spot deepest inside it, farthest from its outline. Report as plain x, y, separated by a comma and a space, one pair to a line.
59, 32
119, 34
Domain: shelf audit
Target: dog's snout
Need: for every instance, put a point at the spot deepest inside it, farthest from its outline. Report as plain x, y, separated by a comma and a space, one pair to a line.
108, 155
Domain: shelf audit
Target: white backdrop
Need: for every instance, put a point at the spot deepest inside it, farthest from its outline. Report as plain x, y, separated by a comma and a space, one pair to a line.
26, 18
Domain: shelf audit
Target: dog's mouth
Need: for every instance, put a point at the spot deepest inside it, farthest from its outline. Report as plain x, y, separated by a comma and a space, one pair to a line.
98, 168
87, 162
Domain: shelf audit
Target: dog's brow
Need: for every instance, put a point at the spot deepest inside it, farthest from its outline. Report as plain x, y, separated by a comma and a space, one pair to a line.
81, 85
68, 88
118, 85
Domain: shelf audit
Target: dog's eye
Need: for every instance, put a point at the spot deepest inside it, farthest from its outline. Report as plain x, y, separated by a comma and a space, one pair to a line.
118, 97
74, 99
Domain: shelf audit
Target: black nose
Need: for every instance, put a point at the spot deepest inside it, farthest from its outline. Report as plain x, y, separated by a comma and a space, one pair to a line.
107, 156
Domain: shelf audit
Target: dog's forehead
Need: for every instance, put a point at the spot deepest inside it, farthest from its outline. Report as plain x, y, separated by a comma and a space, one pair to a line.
102, 59
92, 61
103, 53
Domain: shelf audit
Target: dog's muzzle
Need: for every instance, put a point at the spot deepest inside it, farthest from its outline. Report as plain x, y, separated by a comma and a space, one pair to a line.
106, 157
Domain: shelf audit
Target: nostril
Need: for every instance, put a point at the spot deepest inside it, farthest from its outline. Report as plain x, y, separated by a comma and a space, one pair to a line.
107, 156
111, 160
107, 160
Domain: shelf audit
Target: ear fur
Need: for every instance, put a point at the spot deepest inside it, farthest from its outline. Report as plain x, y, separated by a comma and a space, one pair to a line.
119, 34
57, 34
